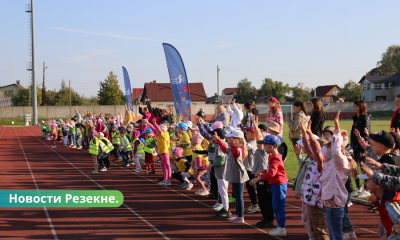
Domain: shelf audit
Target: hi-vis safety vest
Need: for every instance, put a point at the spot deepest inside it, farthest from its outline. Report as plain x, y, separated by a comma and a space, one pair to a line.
48, 128
140, 148
115, 140
94, 146
128, 146
147, 149
106, 147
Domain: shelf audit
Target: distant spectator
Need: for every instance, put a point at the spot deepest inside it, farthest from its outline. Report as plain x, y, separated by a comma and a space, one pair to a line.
317, 117
236, 113
223, 116
295, 132
396, 116
275, 113
360, 122
201, 114
254, 109
248, 116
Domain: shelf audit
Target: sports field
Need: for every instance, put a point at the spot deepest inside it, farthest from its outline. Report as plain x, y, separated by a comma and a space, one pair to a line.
150, 211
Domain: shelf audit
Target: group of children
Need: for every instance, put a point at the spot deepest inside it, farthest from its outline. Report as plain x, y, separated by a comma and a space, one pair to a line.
250, 154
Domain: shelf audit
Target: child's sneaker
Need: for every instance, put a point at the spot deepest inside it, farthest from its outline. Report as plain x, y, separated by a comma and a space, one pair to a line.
218, 208
238, 220
232, 199
356, 192
364, 194
223, 213
126, 165
162, 182
199, 192
189, 186
349, 235
79, 147
55, 146
137, 170
183, 185
278, 232
166, 183
103, 169
253, 209
204, 193
95, 172
233, 217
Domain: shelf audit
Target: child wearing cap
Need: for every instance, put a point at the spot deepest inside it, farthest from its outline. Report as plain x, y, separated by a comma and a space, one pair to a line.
184, 141
273, 129
388, 204
328, 133
263, 188
185, 171
236, 171
277, 179
199, 164
275, 113
163, 145
249, 163
149, 146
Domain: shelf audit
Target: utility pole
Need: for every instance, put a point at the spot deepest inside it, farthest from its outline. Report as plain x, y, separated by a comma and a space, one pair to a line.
44, 86
218, 83
32, 65
70, 93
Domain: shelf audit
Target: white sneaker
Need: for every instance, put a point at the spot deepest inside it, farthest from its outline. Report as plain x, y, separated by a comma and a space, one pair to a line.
204, 193
216, 205
219, 207
183, 185
356, 192
199, 192
166, 183
278, 232
137, 169
103, 169
189, 186
349, 204
161, 182
364, 194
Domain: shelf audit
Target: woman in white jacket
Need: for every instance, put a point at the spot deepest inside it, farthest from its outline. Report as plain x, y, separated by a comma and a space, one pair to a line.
236, 114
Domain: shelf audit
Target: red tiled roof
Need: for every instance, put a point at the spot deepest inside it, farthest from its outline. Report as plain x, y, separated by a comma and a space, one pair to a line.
163, 92
136, 92
230, 91
16, 84
323, 90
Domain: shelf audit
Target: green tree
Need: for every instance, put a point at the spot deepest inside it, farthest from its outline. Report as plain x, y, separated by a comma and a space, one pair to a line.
300, 92
23, 96
110, 93
390, 62
376, 71
245, 91
266, 88
280, 91
351, 91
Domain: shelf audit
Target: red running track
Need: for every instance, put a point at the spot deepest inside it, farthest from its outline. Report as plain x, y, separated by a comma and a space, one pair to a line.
150, 211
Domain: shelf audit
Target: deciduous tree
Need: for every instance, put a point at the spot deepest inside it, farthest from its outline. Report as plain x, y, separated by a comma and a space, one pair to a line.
351, 91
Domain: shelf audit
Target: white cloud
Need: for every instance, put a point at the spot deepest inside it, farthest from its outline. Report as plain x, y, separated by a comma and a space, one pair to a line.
222, 46
88, 55
107, 34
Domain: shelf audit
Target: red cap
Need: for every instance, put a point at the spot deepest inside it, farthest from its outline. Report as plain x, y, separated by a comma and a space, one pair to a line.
274, 100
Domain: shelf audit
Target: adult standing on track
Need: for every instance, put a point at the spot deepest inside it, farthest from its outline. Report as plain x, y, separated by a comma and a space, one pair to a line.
317, 117
360, 122
395, 123
275, 113
295, 132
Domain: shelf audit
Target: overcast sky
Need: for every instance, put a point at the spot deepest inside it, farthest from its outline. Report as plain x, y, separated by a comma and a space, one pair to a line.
315, 42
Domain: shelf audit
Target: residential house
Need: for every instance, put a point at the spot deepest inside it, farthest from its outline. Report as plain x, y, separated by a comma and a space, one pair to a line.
137, 94
326, 93
160, 94
232, 91
380, 87
7, 91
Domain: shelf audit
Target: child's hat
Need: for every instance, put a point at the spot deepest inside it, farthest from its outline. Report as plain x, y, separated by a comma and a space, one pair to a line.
235, 134
263, 127
271, 140
148, 130
139, 121
197, 138
384, 138
328, 129
300, 141
195, 128
217, 125
273, 126
142, 140
363, 176
219, 132
396, 138
228, 129
183, 125
189, 124
178, 151
251, 129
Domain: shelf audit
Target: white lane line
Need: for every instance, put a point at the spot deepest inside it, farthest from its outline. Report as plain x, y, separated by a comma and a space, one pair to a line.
3, 132
53, 231
140, 217
190, 198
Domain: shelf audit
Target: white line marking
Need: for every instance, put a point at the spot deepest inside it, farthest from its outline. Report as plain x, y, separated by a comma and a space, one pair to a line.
140, 217
190, 198
53, 231
3, 132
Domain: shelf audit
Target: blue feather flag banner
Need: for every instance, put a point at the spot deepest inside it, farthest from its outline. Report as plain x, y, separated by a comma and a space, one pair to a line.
128, 92
179, 81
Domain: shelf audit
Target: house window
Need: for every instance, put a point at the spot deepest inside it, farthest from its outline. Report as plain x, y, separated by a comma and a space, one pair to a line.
366, 86
386, 85
378, 86
335, 93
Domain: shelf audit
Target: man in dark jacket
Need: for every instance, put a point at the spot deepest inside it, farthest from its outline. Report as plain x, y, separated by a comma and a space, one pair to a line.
201, 114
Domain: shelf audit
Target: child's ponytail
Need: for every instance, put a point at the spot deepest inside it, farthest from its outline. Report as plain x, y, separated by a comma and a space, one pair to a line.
353, 167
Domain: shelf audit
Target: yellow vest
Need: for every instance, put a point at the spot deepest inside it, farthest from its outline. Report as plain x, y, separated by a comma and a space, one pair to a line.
94, 146
106, 147
146, 149
140, 148
115, 140
181, 166
128, 148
